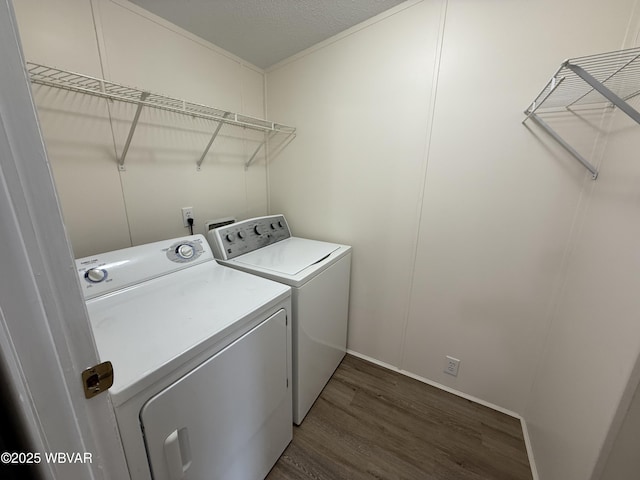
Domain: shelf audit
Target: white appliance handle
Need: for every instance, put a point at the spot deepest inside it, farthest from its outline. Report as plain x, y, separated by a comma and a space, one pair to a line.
177, 451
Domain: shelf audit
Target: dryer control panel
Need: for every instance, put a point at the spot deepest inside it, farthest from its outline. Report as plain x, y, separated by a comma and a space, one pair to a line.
248, 235
106, 272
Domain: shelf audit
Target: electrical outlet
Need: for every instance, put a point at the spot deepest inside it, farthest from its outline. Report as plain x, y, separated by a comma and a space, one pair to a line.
187, 212
451, 365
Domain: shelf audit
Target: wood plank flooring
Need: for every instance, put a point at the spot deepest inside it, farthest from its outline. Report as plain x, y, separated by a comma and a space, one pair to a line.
370, 422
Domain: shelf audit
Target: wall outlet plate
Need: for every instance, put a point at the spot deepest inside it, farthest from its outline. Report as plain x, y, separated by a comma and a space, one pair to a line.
187, 212
451, 365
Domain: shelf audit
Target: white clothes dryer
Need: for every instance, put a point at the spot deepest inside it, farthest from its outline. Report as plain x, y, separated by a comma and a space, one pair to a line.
319, 274
201, 359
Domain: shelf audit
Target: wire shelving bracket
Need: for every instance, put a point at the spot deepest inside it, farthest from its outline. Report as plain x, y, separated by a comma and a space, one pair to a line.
606, 79
76, 82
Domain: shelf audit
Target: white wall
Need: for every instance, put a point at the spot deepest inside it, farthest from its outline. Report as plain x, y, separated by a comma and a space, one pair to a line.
353, 174
624, 461
463, 220
587, 366
104, 208
499, 200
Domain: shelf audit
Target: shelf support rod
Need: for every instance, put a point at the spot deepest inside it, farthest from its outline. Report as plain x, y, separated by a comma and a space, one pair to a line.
569, 148
250, 161
213, 137
608, 94
136, 117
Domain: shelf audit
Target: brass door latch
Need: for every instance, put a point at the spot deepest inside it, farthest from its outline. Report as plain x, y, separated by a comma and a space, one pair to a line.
97, 379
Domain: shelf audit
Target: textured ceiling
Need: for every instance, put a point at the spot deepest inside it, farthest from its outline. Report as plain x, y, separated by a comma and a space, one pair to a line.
263, 32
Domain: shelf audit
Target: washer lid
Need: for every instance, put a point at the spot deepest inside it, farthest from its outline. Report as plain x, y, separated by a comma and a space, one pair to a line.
154, 327
289, 256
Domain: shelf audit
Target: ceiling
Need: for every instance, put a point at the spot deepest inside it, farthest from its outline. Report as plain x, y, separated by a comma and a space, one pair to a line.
263, 32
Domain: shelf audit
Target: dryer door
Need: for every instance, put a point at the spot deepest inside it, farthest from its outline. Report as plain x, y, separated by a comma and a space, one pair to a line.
229, 418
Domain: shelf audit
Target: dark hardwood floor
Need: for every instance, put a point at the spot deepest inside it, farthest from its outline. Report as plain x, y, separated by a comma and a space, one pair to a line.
370, 422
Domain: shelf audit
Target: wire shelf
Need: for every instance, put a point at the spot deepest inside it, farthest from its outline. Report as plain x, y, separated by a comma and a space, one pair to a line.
76, 82
595, 81
618, 71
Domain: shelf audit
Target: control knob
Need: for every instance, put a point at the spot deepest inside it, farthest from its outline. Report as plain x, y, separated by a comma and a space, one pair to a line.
230, 237
185, 251
258, 230
240, 235
95, 275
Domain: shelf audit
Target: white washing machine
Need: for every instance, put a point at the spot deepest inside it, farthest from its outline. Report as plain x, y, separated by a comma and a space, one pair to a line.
201, 359
319, 274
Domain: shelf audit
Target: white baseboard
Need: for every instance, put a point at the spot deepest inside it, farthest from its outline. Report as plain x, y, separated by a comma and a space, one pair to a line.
527, 442
525, 431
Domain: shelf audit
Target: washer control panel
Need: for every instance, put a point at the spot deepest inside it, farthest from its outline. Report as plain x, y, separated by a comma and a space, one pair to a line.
110, 271
248, 235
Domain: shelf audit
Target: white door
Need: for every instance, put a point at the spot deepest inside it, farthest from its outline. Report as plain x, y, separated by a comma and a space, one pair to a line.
228, 419
45, 338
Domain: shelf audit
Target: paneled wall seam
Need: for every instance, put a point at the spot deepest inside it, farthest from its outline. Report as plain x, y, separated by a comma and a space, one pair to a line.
425, 165
104, 70
244, 142
97, 27
267, 151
